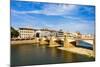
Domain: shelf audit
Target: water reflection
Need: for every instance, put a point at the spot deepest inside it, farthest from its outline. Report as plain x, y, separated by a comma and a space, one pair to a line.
33, 55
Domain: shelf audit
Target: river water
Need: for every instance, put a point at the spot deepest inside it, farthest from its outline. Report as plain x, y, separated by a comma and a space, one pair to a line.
30, 54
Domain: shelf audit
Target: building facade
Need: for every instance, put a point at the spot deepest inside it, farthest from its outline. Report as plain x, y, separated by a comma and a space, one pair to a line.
45, 33
87, 36
29, 33
60, 33
26, 33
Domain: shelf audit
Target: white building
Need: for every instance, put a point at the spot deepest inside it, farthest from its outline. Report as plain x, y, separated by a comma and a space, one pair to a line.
44, 33
87, 36
60, 33
26, 33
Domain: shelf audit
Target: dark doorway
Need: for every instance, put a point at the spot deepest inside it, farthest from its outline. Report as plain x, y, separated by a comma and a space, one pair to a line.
37, 34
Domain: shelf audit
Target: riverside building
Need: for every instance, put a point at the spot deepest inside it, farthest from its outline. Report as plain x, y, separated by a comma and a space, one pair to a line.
45, 33
29, 33
26, 33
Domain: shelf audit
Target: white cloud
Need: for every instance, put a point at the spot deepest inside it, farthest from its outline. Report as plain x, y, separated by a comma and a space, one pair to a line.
24, 20
76, 23
52, 9
57, 9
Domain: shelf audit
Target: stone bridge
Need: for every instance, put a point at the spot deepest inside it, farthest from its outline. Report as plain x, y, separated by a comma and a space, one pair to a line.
65, 41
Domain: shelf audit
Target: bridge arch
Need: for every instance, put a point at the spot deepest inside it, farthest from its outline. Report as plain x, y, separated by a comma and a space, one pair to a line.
38, 34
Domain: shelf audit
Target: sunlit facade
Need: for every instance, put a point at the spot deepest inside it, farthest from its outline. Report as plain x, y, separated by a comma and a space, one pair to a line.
26, 33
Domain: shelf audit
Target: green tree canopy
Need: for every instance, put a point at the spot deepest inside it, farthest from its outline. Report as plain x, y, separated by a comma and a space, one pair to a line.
14, 33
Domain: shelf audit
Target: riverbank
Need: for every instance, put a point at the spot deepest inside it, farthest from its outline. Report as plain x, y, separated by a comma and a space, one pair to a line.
22, 42
34, 41
79, 50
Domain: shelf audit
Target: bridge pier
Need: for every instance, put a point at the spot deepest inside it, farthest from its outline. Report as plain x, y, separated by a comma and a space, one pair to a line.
52, 42
78, 37
37, 40
77, 42
65, 41
43, 41
67, 44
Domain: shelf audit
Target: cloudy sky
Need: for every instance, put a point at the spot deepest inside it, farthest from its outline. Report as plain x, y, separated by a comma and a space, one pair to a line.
69, 18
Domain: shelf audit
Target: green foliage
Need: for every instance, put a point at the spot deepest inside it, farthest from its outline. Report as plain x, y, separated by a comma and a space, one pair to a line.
14, 33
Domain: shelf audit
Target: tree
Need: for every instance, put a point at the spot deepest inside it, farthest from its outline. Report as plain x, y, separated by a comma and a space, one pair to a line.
14, 33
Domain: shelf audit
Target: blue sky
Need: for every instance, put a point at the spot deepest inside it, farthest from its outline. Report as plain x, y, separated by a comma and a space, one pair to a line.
69, 18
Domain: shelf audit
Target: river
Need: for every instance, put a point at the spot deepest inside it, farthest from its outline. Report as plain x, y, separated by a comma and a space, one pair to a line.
30, 54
